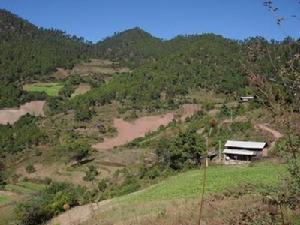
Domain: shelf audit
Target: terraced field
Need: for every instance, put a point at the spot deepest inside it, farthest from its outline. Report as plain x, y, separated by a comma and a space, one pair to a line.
183, 189
12, 194
51, 89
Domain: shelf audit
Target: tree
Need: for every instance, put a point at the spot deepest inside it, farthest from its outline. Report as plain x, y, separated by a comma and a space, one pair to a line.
78, 150
280, 93
91, 173
2, 175
183, 150
83, 112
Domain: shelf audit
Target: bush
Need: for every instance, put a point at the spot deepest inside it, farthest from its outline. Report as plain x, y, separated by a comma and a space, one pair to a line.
79, 150
47, 203
30, 169
183, 150
102, 185
91, 174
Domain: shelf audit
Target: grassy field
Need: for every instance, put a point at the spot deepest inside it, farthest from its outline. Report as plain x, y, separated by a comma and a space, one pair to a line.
219, 179
171, 201
4, 199
24, 187
19, 191
51, 89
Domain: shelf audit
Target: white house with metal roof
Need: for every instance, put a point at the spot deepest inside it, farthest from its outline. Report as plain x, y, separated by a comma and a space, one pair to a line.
247, 98
243, 150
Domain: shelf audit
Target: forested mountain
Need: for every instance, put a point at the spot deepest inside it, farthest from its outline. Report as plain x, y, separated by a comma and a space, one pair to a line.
188, 62
28, 52
132, 47
193, 62
162, 69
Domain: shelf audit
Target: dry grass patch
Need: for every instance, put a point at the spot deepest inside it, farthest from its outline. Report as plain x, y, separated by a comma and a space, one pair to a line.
81, 89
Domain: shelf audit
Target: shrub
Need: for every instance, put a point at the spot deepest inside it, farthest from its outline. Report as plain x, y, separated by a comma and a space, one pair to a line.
79, 150
91, 174
102, 185
225, 111
185, 149
47, 203
30, 169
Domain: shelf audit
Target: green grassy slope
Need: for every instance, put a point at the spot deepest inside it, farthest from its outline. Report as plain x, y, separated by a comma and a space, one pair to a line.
219, 178
3, 199
24, 187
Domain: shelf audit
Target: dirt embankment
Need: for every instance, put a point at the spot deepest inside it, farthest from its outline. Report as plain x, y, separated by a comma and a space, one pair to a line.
10, 116
276, 135
128, 131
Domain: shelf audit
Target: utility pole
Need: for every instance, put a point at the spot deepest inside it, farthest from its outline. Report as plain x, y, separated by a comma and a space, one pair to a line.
206, 155
220, 151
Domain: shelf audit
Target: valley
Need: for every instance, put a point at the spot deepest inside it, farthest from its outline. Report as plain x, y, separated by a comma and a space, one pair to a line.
133, 129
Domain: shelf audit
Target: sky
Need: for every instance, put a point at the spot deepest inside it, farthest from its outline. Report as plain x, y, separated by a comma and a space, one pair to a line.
97, 19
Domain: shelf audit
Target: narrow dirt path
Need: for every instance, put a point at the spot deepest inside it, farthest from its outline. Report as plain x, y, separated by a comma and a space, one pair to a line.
276, 135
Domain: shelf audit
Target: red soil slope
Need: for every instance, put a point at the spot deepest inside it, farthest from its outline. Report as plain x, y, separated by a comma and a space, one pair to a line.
128, 131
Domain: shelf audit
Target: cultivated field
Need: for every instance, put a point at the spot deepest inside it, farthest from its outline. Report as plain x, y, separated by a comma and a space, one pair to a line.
180, 192
128, 131
81, 89
51, 89
10, 116
98, 66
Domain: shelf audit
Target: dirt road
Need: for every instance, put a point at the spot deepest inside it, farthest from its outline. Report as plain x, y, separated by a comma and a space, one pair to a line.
276, 135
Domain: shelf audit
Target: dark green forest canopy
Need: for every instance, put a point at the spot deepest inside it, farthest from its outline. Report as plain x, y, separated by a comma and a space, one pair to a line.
199, 61
23, 134
28, 52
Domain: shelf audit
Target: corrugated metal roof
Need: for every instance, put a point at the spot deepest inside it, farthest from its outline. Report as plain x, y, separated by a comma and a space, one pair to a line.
247, 97
240, 152
245, 144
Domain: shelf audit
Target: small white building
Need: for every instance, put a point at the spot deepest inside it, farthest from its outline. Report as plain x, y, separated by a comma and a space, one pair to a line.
243, 150
247, 98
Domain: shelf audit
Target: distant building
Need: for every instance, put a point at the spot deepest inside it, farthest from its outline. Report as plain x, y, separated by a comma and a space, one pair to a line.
247, 98
243, 150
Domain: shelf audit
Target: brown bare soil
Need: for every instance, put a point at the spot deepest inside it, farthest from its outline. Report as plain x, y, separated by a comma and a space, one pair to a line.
10, 116
7, 193
78, 215
98, 66
60, 73
128, 131
81, 89
189, 110
276, 135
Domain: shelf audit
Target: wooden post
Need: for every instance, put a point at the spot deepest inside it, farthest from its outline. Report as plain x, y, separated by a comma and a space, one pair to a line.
206, 156
220, 151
